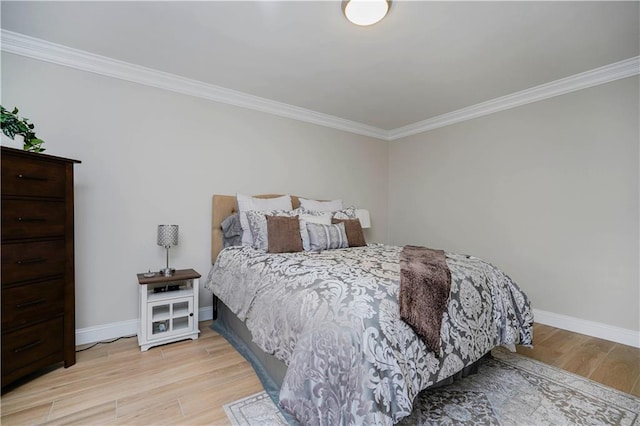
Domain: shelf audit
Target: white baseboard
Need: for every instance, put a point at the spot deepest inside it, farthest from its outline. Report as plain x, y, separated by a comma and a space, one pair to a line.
590, 328
205, 314
122, 328
106, 332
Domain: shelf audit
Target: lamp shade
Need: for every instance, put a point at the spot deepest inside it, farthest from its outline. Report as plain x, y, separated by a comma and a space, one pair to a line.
363, 216
167, 235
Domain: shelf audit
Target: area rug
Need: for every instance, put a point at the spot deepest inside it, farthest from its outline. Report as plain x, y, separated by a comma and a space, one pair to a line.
509, 389
256, 409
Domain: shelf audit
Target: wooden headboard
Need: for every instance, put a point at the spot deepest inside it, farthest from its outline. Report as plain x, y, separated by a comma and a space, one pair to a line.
223, 207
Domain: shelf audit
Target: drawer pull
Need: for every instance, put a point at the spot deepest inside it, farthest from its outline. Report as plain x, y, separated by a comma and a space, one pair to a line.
30, 303
21, 176
27, 346
30, 261
32, 219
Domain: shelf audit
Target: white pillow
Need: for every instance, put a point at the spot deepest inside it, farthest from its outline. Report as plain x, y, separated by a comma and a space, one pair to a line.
246, 203
321, 206
323, 218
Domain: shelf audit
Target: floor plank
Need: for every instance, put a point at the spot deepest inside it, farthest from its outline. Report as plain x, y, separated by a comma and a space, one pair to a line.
587, 356
101, 414
620, 369
157, 413
28, 415
636, 388
609, 363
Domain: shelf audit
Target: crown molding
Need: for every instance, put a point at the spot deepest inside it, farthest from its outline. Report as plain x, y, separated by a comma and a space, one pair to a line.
43, 50
626, 68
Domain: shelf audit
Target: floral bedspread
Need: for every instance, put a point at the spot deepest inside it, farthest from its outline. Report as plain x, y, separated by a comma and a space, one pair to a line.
333, 318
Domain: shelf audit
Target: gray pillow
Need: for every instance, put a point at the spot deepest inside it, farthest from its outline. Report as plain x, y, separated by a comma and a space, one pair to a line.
311, 217
231, 231
327, 237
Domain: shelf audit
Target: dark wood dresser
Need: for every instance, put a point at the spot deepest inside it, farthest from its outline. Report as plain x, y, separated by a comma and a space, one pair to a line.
38, 297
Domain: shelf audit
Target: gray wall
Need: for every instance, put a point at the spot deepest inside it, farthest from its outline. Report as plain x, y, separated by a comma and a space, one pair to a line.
547, 191
151, 156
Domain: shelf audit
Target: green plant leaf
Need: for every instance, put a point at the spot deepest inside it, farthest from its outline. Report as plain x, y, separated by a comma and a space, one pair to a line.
13, 125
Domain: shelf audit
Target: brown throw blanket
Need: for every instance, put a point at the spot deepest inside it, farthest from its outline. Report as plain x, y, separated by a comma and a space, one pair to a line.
425, 283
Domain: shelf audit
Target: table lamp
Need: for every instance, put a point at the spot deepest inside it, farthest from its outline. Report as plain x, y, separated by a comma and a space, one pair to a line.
167, 237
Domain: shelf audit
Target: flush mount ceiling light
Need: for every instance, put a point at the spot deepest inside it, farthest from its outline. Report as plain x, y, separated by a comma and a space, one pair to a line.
365, 12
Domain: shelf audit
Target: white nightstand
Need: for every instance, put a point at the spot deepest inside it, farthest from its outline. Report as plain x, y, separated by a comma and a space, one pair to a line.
168, 308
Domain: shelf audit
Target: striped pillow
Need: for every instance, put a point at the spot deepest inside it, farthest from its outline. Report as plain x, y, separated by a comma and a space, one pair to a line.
327, 237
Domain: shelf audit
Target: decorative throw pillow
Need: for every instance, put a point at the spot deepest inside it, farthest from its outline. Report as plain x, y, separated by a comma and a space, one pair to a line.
258, 226
283, 234
231, 231
326, 237
352, 227
317, 217
246, 203
321, 206
348, 213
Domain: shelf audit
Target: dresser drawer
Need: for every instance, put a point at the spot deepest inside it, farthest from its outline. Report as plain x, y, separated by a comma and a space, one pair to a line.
32, 218
30, 344
27, 261
31, 302
31, 177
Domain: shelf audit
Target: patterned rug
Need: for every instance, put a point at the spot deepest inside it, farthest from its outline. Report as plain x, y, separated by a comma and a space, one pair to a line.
507, 390
253, 410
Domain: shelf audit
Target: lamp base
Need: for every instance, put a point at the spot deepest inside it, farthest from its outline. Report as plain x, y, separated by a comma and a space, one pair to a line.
167, 272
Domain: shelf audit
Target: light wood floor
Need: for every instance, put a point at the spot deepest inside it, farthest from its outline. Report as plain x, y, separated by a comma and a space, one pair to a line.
188, 382
609, 363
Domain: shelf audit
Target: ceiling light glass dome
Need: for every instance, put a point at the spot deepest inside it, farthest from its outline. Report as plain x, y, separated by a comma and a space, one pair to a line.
365, 12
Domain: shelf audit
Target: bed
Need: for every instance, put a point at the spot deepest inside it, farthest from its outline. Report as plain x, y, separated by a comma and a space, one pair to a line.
324, 327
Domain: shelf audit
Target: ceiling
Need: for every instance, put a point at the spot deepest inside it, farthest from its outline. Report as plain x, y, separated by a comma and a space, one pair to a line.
423, 60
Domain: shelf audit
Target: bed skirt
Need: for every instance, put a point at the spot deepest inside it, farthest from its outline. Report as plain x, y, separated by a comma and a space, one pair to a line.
269, 369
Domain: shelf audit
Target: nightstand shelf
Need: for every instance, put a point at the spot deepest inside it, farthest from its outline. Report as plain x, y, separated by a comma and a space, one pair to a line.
168, 308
